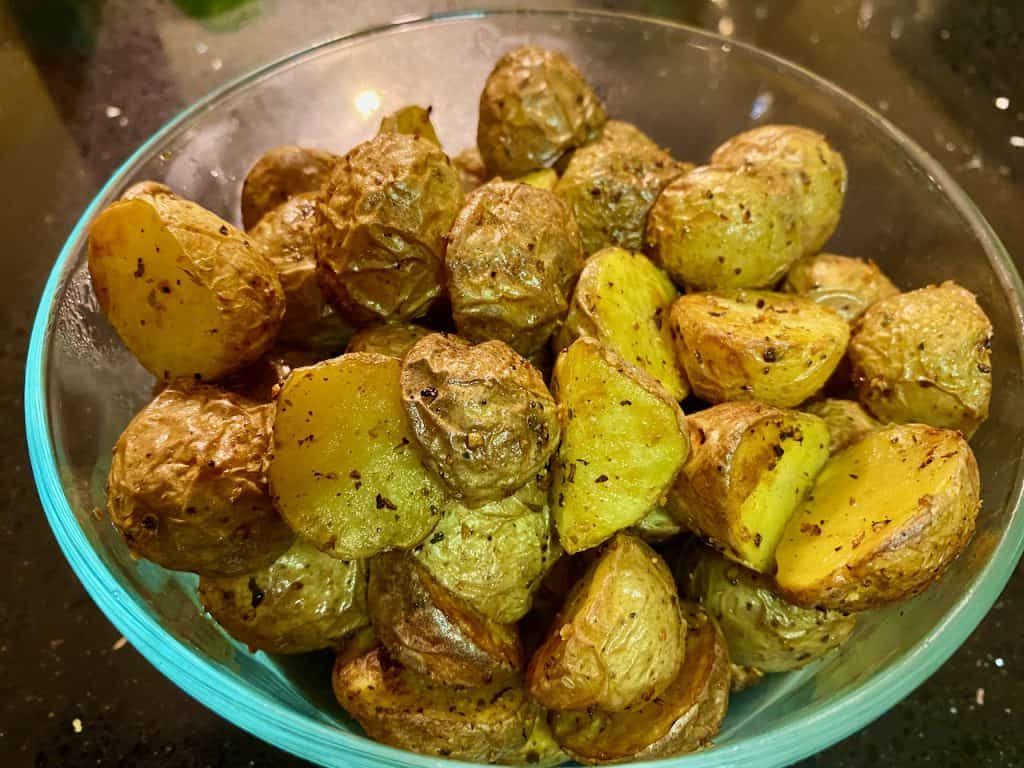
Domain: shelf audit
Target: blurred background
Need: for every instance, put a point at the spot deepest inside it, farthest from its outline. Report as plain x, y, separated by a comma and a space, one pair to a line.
84, 82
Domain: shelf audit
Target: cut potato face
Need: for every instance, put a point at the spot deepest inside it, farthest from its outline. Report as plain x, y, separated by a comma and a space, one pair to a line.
189, 295
623, 300
883, 521
623, 441
750, 466
847, 421
345, 473
756, 345
411, 120
847, 285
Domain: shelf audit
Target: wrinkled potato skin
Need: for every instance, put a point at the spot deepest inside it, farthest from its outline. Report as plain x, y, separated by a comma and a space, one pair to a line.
146, 189
816, 169
391, 339
303, 601
611, 185
287, 234
535, 106
481, 414
279, 174
924, 356
514, 254
763, 630
618, 641
188, 485
382, 218
756, 345
411, 120
847, 285
717, 228
431, 631
472, 172
684, 718
744, 677
847, 421
400, 708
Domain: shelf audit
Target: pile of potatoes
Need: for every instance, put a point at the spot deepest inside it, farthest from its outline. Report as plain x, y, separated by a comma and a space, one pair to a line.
429, 412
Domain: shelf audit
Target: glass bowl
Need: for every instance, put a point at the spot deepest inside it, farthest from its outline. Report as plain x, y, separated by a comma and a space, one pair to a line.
689, 90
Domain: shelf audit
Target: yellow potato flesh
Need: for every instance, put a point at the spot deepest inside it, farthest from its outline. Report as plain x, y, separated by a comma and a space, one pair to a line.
545, 178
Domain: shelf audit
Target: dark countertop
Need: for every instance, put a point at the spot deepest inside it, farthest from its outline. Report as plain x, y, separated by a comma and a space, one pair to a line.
85, 81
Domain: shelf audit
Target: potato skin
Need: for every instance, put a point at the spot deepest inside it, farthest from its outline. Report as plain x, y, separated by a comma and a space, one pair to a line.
847, 421
716, 228
391, 339
514, 254
756, 345
303, 601
188, 487
611, 185
382, 218
146, 188
472, 172
656, 526
618, 641
924, 356
534, 107
413, 120
279, 174
847, 285
806, 157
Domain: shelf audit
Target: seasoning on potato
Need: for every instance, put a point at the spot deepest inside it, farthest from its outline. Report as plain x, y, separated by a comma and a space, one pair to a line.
756, 345
847, 421
847, 285
382, 218
412, 120
535, 106
280, 174
189, 295
924, 356
188, 486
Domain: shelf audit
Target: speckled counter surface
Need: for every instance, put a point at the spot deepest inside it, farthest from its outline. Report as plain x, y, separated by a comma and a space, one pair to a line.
86, 81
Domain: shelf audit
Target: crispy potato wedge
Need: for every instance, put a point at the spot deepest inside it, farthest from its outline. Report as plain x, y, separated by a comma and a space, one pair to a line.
619, 640
847, 421
345, 472
756, 345
623, 442
885, 518
412, 120
623, 300
281, 173
189, 295
847, 285
750, 466
684, 718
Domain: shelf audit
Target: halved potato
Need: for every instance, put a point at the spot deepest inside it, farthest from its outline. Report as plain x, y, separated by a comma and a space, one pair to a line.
188, 294
750, 466
756, 345
847, 421
623, 441
623, 300
412, 120
684, 718
433, 632
345, 473
883, 521
845, 284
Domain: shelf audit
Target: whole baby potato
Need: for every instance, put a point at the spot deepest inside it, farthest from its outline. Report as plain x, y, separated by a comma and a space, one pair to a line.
535, 106
514, 254
188, 483
847, 285
382, 218
282, 173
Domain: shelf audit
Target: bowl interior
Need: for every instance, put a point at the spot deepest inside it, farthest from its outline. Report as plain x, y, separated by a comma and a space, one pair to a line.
689, 91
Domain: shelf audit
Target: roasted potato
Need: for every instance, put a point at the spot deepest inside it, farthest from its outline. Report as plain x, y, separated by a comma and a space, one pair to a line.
545, 178
279, 174
513, 257
744, 677
684, 718
303, 601
400, 708
382, 217
431, 631
540, 750
612, 183
623, 441
806, 157
345, 473
471, 169
189, 295
535, 106
924, 356
750, 465
618, 641
391, 339
287, 236
657, 525
756, 345
411, 120
847, 421
494, 557
763, 630
847, 285
146, 189
261, 380
481, 414
622, 300
885, 518
716, 228
188, 487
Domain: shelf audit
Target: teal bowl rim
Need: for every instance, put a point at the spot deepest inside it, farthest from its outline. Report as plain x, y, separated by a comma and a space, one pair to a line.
836, 717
